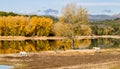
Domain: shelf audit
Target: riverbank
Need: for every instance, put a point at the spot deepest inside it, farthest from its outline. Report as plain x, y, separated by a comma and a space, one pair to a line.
55, 37
70, 59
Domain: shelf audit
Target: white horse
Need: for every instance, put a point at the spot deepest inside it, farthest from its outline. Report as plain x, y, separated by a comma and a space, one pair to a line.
97, 49
23, 53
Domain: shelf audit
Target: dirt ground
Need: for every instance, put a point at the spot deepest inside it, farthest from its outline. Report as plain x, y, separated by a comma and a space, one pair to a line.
85, 59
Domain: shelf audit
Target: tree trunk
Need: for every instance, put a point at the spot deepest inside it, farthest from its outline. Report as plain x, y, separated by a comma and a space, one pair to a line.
73, 42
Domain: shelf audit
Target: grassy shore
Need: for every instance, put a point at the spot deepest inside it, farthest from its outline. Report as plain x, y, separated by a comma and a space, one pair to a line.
70, 59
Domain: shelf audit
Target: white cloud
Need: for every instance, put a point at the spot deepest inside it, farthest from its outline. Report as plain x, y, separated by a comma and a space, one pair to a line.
100, 4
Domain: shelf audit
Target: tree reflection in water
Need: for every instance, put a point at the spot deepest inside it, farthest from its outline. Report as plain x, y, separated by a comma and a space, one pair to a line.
46, 45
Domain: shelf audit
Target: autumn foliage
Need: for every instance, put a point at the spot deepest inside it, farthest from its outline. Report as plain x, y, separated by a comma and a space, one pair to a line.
25, 26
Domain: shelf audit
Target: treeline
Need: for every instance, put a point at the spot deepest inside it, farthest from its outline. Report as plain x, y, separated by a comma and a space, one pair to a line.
38, 26
106, 27
24, 26
2, 13
49, 26
72, 22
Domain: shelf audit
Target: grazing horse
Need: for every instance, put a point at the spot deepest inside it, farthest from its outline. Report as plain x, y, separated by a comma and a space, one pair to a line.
22, 53
97, 49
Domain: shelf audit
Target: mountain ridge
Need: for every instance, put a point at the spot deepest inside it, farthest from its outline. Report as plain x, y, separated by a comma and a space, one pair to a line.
101, 17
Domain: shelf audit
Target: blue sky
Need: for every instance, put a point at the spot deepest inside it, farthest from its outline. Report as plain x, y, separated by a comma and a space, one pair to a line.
32, 6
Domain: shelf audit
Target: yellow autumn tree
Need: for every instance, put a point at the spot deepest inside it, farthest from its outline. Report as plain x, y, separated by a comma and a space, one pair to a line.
73, 19
24, 26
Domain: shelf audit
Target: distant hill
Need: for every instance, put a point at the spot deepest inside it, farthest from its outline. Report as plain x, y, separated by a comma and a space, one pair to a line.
104, 23
116, 15
101, 17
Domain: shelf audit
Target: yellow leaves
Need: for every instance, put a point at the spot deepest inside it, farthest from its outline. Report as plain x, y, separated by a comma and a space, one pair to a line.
86, 30
84, 43
2, 21
21, 24
65, 43
62, 29
41, 21
34, 21
29, 47
40, 24
45, 22
74, 14
83, 30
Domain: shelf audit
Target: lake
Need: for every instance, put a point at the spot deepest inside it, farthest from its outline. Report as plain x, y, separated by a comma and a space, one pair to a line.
7, 47
5, 67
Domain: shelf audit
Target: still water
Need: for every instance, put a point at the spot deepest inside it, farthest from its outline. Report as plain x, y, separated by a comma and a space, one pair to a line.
45, 45
5, 67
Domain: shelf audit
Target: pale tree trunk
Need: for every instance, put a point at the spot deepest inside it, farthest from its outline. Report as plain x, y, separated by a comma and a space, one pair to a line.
73, 41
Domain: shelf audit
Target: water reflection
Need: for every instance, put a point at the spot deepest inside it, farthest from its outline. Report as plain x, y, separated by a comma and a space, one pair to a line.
83, 43
5, 67
45, 45
105, 43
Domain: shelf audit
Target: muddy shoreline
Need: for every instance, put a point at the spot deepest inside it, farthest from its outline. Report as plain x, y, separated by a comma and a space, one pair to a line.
70, 59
